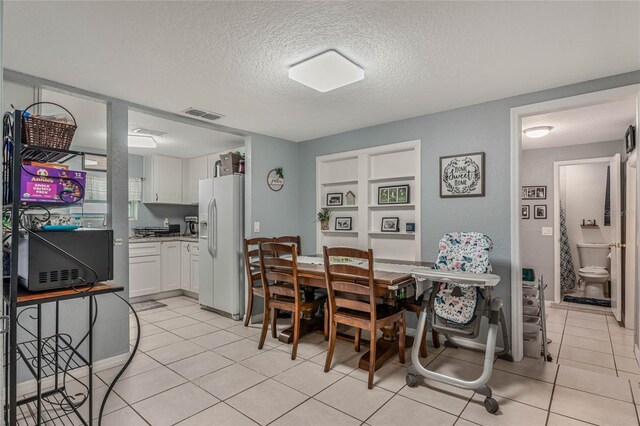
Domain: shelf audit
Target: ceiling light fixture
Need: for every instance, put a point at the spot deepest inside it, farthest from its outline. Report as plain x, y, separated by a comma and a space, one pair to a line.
326, 71
149, 132
537, 132
138, 141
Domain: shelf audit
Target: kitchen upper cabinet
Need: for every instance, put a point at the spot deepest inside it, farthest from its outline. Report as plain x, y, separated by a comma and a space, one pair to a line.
162, 182
194, 169
144, 275
171, 265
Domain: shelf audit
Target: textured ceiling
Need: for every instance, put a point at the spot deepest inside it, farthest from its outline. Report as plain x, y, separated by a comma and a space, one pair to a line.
597, 123
232, 57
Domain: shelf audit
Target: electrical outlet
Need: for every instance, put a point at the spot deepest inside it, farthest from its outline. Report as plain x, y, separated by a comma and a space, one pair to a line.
256, 226
547, 230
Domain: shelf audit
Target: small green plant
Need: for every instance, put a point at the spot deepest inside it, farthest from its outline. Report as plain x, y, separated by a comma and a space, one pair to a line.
324, 215
279, 172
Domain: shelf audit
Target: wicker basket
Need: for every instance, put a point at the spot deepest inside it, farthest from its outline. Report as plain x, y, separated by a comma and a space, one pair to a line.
46, 133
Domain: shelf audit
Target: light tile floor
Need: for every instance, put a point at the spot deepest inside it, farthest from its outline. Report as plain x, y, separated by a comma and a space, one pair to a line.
210, 372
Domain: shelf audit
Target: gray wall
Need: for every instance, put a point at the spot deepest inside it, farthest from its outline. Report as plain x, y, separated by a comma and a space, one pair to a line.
537, 170
154, 214
276, 211
484, 127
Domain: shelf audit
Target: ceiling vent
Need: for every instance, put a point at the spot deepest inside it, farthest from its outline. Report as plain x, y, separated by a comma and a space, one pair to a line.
143, 131
205, 115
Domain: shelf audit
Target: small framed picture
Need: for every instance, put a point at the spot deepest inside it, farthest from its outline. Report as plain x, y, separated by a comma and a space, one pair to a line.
534, 192
94, 162
390, 224
540, 212
397, 194
462, 175
525, 212
343, 224
334, 199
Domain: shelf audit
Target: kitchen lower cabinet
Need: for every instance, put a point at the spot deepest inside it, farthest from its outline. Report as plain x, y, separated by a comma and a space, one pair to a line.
185, 270
195, 273
171, 265
144, 275
190, 271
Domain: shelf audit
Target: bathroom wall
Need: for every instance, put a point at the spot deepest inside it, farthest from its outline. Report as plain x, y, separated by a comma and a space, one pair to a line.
537, 169
582, 193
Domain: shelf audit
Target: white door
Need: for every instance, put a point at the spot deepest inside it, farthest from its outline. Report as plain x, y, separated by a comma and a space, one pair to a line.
185, 268
616, 236
195, 276
171, 260
206, 257
630, 241
144, 275
167, 179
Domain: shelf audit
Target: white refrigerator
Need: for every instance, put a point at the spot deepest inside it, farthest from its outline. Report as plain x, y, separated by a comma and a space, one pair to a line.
221, 219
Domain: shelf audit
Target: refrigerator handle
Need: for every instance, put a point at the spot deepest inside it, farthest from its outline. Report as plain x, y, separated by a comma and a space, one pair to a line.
215, 227
209, 229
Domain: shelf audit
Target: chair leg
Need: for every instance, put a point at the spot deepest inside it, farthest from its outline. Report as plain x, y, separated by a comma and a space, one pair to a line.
372, 356
265, 325
356, 340
402, 340
326, 321
332, 346
296, 333
274, 323
436, 338
247, 315
423, 342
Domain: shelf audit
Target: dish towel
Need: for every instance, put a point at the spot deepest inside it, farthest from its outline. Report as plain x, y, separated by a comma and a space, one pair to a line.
567, 272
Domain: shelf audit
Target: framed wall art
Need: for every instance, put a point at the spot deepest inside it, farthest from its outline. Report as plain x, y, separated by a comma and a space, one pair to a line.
534, 192
334, 199
540, 211
462, 175
396, 194
343, 224
390, 224
526, 213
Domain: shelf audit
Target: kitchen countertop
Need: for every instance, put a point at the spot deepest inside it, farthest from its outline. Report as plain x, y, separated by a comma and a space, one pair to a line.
161, 239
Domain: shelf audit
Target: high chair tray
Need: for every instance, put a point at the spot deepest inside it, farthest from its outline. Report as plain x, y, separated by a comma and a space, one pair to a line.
470, 278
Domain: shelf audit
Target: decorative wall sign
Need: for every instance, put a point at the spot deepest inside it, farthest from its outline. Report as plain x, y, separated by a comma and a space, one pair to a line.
390, 224
275, 179
94, 162
534, 192
334, 199
350, 198
462, 175
343, 224
526, 214
540, 212
396, 194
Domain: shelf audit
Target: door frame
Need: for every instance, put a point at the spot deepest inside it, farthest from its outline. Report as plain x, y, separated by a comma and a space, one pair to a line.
516, 115
557, 296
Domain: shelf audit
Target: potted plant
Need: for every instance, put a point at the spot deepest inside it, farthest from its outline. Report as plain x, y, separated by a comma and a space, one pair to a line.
323, 216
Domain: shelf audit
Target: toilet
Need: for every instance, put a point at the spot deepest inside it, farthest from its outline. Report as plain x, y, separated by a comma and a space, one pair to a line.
593, 268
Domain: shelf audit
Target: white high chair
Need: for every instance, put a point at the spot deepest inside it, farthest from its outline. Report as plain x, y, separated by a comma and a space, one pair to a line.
459, 297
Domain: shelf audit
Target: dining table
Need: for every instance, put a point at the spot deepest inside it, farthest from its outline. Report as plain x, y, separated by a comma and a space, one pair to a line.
390, 276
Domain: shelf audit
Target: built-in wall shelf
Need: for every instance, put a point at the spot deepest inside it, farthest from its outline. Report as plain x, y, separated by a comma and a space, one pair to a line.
341, 182
392, 206
378, 234
352, 233
340, 207
590, 226
391, 179
363, 172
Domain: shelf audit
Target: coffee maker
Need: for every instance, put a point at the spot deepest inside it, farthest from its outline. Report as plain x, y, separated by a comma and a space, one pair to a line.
191, 230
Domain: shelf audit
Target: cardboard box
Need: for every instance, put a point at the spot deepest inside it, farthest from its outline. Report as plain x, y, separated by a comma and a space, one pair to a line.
230, 163
49, 185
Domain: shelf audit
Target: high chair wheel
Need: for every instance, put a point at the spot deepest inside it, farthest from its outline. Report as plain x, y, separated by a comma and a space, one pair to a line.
491, 405
411, 380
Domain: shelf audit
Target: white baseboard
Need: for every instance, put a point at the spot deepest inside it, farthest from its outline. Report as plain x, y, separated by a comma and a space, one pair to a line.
30, 386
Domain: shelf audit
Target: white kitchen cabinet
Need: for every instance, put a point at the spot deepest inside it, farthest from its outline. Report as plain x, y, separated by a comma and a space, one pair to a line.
190, 271
162, 182
171, 265
194, 169
144, 275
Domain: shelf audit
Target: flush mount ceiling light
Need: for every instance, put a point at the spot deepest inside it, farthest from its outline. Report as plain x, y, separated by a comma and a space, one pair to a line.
326, 71
138, 141
537, 132
149, 132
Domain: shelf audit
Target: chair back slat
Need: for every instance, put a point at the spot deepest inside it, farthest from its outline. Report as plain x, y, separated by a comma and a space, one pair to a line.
276, 269
348, 285
355, 305
250, 255
291, 239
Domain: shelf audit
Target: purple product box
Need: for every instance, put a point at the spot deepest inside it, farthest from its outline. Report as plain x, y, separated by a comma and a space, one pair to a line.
49, 185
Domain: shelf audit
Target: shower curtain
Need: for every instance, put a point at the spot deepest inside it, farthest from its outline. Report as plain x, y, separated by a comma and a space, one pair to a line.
567, 272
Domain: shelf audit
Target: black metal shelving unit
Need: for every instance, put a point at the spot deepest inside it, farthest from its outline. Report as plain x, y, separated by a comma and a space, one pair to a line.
42, 356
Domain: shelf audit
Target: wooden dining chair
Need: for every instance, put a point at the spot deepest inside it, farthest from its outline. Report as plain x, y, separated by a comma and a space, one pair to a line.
291, 239
253, 273
280, 286
352, 301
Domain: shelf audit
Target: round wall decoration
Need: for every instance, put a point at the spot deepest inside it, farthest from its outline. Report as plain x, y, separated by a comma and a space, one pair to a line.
275, 179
